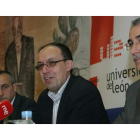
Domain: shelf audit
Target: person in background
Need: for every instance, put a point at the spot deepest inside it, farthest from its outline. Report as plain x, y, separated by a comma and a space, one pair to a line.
68, 99
19, 59
131, 111
8, 92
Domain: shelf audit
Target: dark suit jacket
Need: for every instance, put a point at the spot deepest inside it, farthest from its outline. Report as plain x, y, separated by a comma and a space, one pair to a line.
131, 111
22, 103
26, 71
80, 103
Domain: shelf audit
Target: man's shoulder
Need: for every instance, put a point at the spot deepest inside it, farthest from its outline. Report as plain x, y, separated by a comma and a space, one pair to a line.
22, 103
80, 81
24, 99
135, 84
81, 87
78, 78
133, 89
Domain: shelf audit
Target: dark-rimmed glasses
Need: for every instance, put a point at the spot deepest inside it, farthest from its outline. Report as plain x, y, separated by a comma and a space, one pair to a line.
49, 64
130, 43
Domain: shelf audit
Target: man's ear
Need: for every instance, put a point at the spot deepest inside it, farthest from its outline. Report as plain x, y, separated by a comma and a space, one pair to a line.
69, 65
15, 87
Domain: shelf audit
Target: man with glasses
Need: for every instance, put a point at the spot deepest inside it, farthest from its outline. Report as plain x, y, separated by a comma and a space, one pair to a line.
68, 99
131, 111
8, 92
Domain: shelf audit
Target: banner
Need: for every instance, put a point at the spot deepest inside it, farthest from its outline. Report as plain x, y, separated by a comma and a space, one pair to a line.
112, 69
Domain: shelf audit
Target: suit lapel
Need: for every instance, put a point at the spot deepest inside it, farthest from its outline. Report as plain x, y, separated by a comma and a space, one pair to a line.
16, 107
66, 91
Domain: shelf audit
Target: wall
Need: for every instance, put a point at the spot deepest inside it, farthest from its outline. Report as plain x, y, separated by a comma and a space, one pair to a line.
74, 31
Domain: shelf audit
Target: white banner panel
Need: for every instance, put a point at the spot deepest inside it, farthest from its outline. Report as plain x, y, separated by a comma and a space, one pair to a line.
114, 69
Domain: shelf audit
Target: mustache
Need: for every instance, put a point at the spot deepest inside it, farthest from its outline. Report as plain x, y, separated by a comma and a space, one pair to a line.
47, 74
136, 56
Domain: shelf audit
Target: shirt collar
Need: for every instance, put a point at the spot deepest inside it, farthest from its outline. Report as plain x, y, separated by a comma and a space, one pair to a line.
13, 100
58, 95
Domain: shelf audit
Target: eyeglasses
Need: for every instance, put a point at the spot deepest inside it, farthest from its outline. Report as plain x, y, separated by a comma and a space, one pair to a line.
49, 64
130, 43
4, 87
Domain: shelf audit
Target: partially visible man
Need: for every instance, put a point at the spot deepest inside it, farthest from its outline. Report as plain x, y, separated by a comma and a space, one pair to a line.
19, 59
131, 111
8, 92
68, 99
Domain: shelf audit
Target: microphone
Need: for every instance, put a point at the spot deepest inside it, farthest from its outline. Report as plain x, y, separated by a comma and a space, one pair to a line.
6, 109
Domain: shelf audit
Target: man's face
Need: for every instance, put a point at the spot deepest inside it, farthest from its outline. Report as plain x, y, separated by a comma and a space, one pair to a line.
7, 90
17, 30
54, 77
135, 38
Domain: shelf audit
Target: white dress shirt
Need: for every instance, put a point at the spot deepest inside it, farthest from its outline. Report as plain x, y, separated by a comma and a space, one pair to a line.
13, 100
56, 100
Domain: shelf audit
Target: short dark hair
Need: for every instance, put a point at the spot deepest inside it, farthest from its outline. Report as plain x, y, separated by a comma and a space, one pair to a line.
11, 77
65, 51
135, 22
